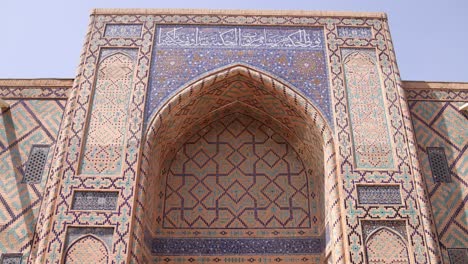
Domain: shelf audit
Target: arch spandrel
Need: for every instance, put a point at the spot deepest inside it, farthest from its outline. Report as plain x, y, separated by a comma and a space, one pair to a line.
217, 79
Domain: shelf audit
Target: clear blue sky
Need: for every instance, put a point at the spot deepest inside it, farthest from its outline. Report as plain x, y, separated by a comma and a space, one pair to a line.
43, 38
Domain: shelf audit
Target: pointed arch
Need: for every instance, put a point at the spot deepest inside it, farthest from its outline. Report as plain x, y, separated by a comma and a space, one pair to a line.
271, 83
87, 249
384, 245
217, 94
356, 54
119, 53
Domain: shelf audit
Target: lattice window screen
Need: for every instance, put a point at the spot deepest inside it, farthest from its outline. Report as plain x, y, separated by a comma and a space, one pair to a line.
11, 258
36, 163
439, 164
458, 255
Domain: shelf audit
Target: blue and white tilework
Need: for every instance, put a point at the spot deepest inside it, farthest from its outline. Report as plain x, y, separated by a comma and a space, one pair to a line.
379, 194
184, 53
123, 31
354, 32
246, 246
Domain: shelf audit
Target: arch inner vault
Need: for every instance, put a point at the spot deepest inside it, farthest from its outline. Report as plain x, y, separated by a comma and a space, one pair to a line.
237, 163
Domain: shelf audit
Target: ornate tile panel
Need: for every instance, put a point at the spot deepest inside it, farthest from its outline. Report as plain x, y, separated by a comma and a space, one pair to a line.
386, 241
368, 194
103, 150
237, 173
355, 32
87, 249
123, 30
245, 246
91, 200
242, 37
187, 52
386, 247
370, 226
369, 126
103, 233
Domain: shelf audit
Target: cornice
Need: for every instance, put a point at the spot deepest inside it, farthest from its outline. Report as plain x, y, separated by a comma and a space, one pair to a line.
296, 13
36, 82
435, 85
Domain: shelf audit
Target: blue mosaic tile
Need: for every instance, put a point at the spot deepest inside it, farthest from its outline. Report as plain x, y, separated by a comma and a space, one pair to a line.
182, 54
379, 194
243, 246
355, 32
123, 30
243, 37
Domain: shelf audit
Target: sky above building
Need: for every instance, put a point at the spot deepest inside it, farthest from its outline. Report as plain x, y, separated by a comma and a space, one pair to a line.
43, 39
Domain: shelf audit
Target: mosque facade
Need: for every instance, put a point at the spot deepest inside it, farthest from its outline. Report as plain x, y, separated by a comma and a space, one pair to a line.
223, 136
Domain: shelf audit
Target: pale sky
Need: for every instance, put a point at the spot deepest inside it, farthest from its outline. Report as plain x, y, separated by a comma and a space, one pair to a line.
43, 38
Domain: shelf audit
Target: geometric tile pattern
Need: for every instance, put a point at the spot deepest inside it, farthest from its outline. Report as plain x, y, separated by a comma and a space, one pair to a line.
432, 95
34, 92
406, 167
439, 166
370, 226
35, 166
57, 215
35, 88
87, 249
386, 247
65, 171
106, 130
440, 126
243, 246
458, 255
89, 200
237, 173
368, 194
182, 53
11, 258
103, 233
123, 31
252, 95
24, 126
355, 32
372, 147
